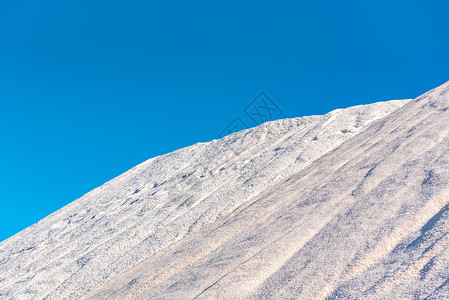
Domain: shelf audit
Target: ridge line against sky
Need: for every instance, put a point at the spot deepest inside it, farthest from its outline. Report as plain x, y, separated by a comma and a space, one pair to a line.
89, 90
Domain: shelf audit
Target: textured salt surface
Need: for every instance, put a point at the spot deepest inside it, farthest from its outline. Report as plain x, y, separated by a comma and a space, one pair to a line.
347, 204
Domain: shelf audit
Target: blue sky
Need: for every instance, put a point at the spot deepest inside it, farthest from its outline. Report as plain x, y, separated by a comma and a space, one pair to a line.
89, 89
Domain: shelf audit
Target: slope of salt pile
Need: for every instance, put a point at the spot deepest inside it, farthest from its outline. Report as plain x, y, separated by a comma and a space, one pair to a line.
164, 200
369, 219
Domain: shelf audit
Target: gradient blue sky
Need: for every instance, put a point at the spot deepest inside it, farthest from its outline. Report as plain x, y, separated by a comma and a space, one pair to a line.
89, 89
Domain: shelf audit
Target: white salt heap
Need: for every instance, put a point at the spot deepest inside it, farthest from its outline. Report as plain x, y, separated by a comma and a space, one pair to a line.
352, 204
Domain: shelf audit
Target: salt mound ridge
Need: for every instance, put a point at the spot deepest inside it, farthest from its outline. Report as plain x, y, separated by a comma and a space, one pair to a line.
348, 204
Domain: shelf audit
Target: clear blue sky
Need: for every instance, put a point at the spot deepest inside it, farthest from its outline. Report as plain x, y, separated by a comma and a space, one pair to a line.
89, 89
